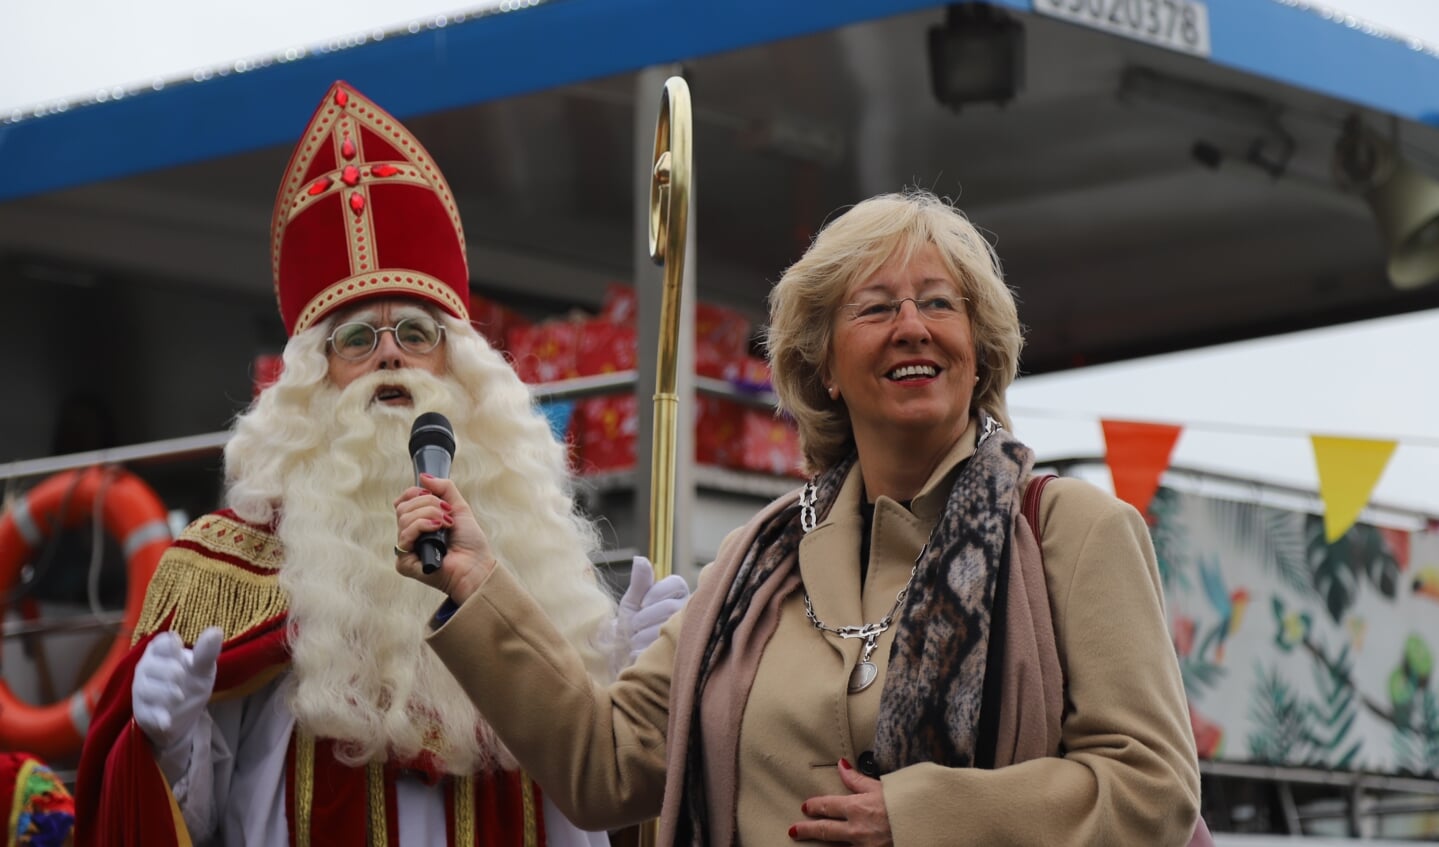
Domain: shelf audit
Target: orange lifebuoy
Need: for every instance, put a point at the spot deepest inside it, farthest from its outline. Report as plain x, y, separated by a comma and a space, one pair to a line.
132, 514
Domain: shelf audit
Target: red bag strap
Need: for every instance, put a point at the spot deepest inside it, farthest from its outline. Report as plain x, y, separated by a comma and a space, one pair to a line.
1030, 508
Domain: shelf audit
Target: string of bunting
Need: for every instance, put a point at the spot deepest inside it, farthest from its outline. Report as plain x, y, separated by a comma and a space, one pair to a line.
1138, 453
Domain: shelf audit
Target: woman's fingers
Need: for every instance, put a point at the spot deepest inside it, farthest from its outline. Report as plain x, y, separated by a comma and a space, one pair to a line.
436, 504
419, 511
856, 781
858, 819
445, 490
415, 498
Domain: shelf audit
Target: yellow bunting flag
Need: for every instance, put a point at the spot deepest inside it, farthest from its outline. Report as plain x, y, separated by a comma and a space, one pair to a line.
1349, 468
1138, 455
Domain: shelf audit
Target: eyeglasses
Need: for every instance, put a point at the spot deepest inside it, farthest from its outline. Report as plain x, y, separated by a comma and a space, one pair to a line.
941, 307
356, 340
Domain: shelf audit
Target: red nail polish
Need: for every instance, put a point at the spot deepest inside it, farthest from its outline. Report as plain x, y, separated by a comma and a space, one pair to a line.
446, 506
794, 832
844, 763
427, 476
804, 808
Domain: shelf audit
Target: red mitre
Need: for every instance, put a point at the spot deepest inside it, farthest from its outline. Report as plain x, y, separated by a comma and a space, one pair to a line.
363, 212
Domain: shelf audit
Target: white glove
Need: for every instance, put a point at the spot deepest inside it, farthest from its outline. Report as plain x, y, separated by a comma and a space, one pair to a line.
172, 685
648, 604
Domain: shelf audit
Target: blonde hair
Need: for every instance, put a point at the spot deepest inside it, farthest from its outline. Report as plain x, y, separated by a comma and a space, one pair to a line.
852, 248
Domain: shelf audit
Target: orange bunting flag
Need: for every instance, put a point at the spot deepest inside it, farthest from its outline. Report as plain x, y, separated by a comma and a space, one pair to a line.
1138, 455
1349, 468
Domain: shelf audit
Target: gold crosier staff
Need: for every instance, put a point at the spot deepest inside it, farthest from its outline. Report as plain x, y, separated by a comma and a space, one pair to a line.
669, 222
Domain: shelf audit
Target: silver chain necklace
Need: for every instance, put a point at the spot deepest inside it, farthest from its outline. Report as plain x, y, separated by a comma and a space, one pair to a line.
865, 672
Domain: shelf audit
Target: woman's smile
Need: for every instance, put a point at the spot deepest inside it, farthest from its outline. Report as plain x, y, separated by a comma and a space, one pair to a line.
903, 353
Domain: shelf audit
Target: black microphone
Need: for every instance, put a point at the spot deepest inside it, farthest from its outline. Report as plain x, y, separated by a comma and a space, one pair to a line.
432, 448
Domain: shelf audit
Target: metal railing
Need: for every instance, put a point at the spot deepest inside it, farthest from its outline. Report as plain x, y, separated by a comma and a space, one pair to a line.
72, 623
176, 448
212, 442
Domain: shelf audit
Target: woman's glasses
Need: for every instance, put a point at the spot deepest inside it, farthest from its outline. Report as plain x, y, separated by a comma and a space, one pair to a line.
356, 340
940, 307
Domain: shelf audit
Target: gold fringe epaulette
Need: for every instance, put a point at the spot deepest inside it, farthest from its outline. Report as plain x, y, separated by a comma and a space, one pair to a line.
221, 572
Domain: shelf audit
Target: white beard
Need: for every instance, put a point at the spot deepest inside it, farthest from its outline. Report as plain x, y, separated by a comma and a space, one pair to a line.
362, 673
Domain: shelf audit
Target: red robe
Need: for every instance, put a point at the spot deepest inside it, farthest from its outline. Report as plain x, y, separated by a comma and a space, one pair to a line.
228, 569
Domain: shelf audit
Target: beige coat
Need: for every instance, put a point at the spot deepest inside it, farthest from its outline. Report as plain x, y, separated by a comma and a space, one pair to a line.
1128, 776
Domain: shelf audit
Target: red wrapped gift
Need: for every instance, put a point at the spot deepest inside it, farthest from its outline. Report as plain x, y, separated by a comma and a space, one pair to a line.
721, 334
494, 321
605, 347
721, 340
604, 430
620, 303
545, 352
753, 375
717, 428
768, 444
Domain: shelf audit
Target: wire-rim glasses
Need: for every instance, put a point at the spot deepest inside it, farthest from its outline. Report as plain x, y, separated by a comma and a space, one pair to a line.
357, 340
938, 307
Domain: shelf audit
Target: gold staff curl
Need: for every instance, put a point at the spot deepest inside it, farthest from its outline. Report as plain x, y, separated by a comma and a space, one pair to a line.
669, 223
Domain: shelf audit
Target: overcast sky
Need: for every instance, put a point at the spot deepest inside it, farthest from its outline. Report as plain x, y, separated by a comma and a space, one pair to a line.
1417, 19
1249, 407
99, 44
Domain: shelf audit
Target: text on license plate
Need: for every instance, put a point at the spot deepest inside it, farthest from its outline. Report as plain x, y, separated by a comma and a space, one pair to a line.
1176, 24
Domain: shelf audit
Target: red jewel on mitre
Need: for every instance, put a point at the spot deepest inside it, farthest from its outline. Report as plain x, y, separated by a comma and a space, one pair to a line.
363, 212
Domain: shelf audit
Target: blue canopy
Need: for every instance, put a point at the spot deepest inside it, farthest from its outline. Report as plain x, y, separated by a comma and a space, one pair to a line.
566, 41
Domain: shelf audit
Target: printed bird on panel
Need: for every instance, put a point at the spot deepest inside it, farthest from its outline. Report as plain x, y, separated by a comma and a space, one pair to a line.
1229, 604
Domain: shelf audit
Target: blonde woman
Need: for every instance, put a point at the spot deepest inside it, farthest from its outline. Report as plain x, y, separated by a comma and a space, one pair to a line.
889, 655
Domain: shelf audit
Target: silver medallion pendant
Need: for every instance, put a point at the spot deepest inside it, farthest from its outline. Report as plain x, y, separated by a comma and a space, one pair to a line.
862, 677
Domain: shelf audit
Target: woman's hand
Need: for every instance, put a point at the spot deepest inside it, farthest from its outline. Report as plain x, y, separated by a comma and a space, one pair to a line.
858, 818
434, 505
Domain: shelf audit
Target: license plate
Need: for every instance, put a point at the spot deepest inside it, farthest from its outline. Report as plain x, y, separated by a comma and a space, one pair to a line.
1177, 24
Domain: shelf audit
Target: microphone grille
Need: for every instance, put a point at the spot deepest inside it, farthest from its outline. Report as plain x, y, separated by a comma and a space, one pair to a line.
432, 429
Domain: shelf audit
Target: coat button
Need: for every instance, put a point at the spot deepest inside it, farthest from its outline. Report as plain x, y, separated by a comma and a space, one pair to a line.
867, 765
